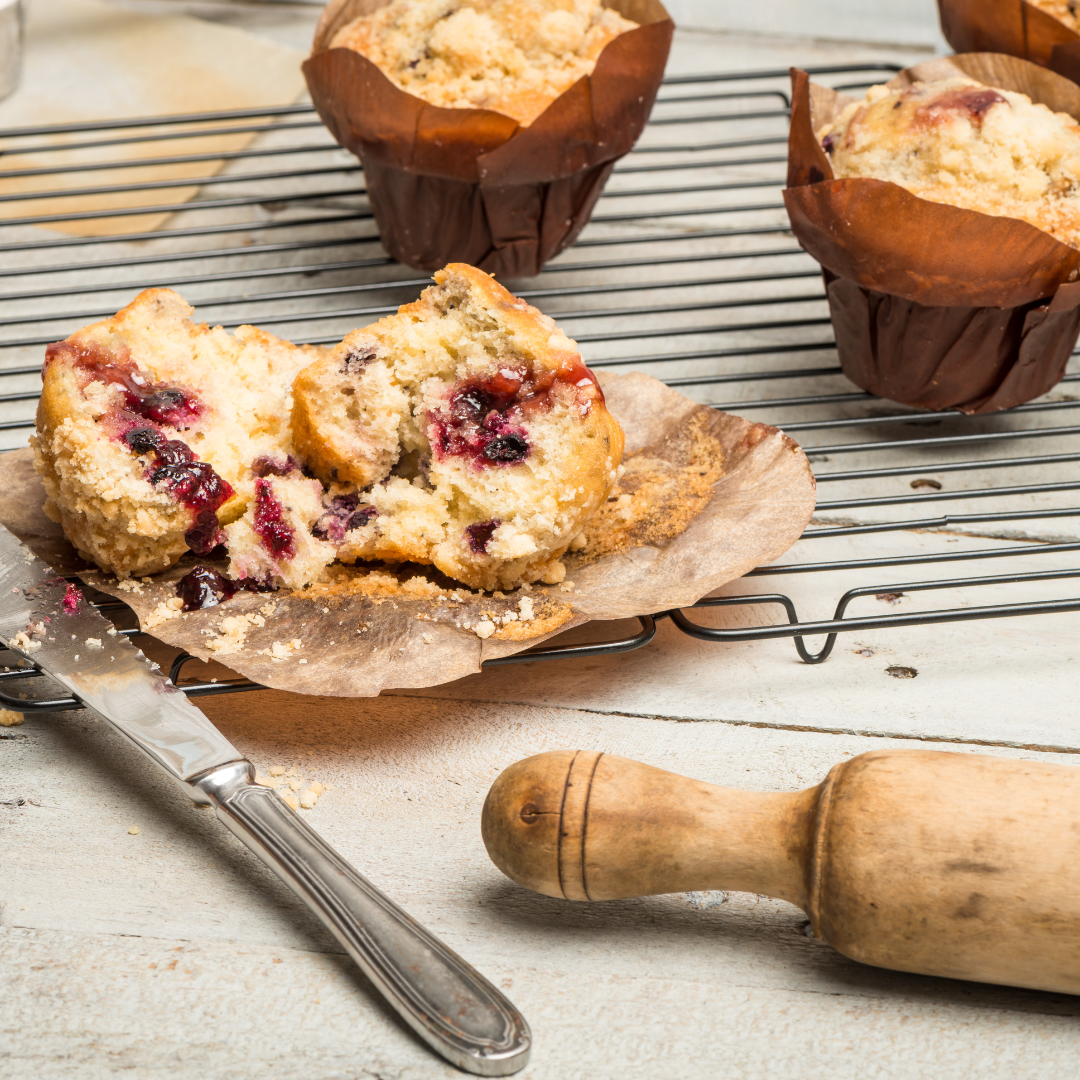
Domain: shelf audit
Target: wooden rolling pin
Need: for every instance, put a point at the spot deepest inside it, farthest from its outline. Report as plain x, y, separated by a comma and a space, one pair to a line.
959, 865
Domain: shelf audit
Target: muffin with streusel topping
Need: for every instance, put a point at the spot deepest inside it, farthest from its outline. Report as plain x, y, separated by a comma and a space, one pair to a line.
512, 56
945, 211
487, 128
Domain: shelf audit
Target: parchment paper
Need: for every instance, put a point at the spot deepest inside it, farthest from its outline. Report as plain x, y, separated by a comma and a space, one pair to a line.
89, 61
472, 185
934, 305
705, 498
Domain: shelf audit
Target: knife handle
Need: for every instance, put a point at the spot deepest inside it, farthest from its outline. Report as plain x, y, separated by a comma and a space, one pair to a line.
446, 1002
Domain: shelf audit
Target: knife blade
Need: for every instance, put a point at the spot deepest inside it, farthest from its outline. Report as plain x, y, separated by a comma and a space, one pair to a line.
45, 619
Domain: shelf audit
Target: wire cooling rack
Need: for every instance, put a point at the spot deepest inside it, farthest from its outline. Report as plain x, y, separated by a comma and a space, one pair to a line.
687, 271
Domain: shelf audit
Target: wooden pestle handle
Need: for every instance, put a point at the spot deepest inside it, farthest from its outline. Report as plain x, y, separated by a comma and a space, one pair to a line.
961, 865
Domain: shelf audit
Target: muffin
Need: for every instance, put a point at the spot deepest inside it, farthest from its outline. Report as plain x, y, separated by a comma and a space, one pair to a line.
464, 432
148, 425
488, 436
511, 56
487, 128
943, 209
1046, 32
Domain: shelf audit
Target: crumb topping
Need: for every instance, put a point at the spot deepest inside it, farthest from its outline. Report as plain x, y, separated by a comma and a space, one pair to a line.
511, 56
959, 142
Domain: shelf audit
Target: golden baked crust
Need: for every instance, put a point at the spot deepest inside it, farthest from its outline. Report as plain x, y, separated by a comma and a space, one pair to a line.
485, 437
959, 142
512, 56
124, 504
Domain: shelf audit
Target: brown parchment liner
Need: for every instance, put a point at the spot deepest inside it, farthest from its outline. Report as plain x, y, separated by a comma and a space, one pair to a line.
722, 495
472, 185
1014, 27
933, 305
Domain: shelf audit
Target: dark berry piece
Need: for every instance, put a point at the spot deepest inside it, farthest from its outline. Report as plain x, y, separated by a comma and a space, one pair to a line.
480, 535
144, 440
356, 360
507, 449
270, 466
206, 534
204, 587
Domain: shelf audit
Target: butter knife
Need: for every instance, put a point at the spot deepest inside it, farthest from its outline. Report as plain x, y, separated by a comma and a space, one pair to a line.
446, 1002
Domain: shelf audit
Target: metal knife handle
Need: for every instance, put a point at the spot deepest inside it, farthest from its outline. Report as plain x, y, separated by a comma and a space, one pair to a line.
449, 1004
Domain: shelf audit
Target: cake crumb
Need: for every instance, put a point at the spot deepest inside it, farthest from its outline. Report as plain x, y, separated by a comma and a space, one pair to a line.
427, 639
525, 608
94, 643
292, 802
578, 543
10, 718
130, 585
265, 781
555, 573
24, 643
276, 770
484, 628
166, 610
133, 831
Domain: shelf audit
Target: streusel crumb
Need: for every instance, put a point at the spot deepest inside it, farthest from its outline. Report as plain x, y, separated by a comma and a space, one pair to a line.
511, 56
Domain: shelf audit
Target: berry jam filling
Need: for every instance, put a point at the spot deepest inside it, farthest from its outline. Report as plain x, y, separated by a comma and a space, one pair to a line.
276, 533
343, 514
971, 101
72, 596
272, 466
483, 419
157, 402
479, 535
189, 481
204, 587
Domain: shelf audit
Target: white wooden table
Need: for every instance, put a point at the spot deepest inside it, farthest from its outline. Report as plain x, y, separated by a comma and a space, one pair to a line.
171, 952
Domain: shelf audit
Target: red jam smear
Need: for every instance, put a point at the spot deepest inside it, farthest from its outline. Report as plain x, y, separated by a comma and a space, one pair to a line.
72, 596
973, 102
159, 403
479, 535
483, 419
147, 404
205, 587
270, 525
188, 480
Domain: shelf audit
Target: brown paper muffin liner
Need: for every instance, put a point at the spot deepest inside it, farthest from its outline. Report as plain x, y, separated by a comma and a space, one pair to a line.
472, 185
1014, 27
932, 305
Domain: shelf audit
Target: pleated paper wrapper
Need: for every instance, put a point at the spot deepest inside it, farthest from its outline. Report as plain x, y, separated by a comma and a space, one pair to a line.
705, 497
1014, 27
472, 185
932, 305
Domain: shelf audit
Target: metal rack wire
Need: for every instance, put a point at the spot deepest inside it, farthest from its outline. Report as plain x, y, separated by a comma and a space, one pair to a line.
687, 271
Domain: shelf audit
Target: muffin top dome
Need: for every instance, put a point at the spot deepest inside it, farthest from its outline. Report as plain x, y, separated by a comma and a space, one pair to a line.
961, 142
511, 56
